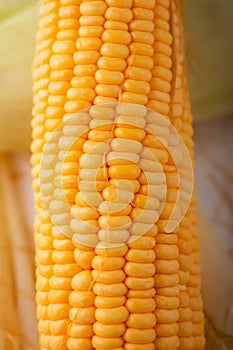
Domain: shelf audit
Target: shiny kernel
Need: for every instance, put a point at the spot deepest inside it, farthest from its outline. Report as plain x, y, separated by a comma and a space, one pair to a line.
133, 134
108, 330
114, 50
86, 57
131, 171
140, 305
107, 263
81, 299
90, 31
140, 256
82, 315
112, 316
112, 290
139, 270
82, 281
80, 330
109, 302
106, 343
93, 8
140, 336
107, 77
84, 258
142, 284
115, 276
112, 64
118, 14
88, 44
141, 321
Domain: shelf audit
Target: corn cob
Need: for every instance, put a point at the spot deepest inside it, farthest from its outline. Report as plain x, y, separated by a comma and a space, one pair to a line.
108, 274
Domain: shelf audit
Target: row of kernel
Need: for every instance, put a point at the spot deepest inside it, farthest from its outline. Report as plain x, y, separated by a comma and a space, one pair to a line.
159, 97
193, 288
110, 297
114, 51
64, 268
167, 290
185, 263
107, 272
80, 96
45, 39
136, 87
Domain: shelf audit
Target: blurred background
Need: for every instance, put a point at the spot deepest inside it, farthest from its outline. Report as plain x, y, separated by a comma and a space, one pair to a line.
209, 51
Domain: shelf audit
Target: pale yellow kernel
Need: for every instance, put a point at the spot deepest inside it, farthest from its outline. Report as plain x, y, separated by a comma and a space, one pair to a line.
114, 50
84, 258
163, 48
109, 222
106, 343
141, 321
109, 302
87, 227
91, 20
139, 228
88, 44
122, 158
58, 296
140, 61
139, 305
137, 73
166, 266
129, 184
107, 263
118, 14
141, 25
93, 174
134, 269
82, 281
166, 316
168, 291
80, 330
120, 3
121, 145
107, 90
81, 299
112, 290
112, 316
140, 336
67, 270
110, 208
140, 256
132, 346
163, 343
146, 293
135, 283
162, 280
108, 331
116, 37
58, 311
107, 77
142, 37
82, 315
112, 64
79, 343
110, 250
141, 242
115, 276
85, 240
165, 302
62, 257
93, 8
166, 330
85, 70
113, 236
87, 57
